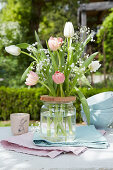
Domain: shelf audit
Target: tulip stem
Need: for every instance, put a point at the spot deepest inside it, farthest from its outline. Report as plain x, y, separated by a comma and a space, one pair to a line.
61, 90
68, 57
29, 55
60, 64
46, 87
68, 61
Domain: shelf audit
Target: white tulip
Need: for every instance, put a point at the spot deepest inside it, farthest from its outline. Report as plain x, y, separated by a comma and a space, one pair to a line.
14, 50
68, 30
94, 66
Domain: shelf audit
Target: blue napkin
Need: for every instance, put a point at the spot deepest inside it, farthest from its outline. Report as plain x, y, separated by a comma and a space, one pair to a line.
85, 136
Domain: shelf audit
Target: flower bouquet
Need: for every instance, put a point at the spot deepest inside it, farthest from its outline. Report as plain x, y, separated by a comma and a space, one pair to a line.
60, 68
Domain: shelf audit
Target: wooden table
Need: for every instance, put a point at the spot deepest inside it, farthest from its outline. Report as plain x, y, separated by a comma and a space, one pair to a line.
91, 159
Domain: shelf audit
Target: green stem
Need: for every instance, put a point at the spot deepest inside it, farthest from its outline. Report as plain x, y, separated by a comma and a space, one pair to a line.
55, 121
49, 121
48, 126
73, 85
46, 87
62, 109
60, 126
52, 58
68, 62
61, 90
70, 125
29, 55
67, 81
58, 123
68, 57
60, 63
68, 119
87, 70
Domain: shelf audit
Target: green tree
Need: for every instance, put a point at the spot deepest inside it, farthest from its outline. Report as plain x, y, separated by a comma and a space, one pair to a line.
54, 16
105, 40
17, 10
9, 71
10, 33
14, 28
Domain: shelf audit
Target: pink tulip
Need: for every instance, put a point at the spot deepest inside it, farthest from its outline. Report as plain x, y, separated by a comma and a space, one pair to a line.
60, 40
32, 79
55, 43
58, 77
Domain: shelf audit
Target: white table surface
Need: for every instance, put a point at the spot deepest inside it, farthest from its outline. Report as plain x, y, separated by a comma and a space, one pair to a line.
91, 159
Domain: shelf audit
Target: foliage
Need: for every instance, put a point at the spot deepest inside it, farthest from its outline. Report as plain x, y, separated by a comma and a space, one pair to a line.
16, 15
5, 123
27, 101
14, 27
20, 100
14, 18
11, 71
10, 32
102, 84
105, 34
6, 64
17, 11
54, 17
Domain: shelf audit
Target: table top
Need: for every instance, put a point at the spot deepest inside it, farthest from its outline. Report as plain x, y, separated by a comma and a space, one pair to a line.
90, 159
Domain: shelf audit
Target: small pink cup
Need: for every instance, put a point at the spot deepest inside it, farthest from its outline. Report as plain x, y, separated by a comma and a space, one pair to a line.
19, 123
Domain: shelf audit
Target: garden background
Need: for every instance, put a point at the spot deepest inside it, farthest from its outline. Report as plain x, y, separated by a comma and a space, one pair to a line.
18, 21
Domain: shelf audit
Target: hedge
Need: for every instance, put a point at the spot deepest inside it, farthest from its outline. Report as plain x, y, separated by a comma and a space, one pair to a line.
28, 101
20, 101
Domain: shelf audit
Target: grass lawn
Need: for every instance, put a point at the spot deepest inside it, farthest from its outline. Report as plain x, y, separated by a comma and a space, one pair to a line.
7, 123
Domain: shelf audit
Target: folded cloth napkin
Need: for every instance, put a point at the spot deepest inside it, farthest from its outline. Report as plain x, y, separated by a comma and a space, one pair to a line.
86, 136
23, 143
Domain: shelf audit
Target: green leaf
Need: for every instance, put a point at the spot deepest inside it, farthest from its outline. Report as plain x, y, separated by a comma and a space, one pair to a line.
39, 45
61, 53
85, 80
50, 83
23, 45
53, 58
24, 75
89, 60
74, 83
79, 48
84, 104
87, 40
76, 53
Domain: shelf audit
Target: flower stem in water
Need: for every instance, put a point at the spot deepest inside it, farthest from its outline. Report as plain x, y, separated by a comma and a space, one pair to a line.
49, 121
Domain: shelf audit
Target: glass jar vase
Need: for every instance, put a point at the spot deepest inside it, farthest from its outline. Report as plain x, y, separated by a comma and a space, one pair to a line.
58, 119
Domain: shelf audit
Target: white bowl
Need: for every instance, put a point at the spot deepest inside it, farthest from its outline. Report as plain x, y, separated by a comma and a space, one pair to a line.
101, 101
99, 118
